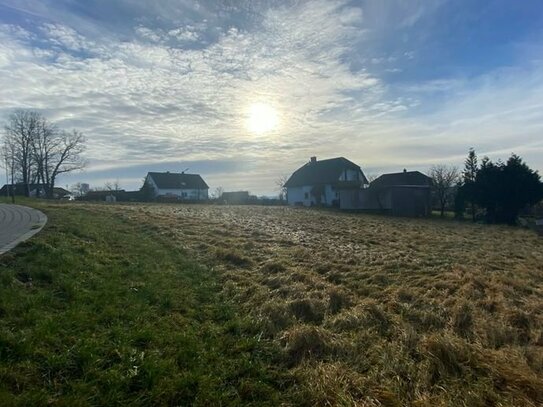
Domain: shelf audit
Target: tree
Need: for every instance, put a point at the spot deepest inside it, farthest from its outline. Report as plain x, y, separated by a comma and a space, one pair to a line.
112, 186
469, 175
280, 184
66, 157
444, 178
39, 151
217, 193
8, 162
79, 189
19, 134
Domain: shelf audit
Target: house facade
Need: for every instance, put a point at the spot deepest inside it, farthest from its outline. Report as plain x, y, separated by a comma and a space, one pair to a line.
319, 183
190, 187
407, 193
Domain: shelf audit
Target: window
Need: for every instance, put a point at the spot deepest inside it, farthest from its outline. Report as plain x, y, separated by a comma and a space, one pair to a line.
306, 195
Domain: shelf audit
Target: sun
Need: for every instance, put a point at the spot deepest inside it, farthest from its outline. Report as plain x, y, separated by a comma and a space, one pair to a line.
261, 118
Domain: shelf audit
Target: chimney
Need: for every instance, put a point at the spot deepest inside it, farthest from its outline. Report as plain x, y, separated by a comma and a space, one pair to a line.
313, 159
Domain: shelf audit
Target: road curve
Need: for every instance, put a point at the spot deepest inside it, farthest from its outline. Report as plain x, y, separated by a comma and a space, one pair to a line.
18, 223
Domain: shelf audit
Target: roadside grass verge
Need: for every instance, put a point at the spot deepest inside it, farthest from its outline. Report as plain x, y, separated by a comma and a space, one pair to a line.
99, 310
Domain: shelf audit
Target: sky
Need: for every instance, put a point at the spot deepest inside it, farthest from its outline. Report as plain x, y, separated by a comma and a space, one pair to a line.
245, 92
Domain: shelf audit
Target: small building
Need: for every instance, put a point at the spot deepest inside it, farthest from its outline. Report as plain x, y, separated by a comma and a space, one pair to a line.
235, 198
180, 186
407, 193
321, 182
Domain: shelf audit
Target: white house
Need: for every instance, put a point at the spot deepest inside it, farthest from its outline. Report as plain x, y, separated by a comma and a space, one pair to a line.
177, 185
320, 182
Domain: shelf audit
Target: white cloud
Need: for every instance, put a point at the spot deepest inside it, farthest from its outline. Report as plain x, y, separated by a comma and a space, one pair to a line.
169, 94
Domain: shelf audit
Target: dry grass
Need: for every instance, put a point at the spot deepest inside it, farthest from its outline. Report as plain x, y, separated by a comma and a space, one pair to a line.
378, 311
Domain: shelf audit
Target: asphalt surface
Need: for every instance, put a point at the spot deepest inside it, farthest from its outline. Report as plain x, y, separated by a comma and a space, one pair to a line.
18, 223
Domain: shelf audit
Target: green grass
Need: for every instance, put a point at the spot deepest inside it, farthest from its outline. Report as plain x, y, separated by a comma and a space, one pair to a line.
97, 310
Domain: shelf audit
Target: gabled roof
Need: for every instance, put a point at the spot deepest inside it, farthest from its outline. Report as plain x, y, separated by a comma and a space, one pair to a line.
405, 178
172, 180
322, 172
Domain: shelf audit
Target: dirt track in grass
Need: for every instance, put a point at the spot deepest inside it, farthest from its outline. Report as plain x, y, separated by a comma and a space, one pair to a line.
372, 310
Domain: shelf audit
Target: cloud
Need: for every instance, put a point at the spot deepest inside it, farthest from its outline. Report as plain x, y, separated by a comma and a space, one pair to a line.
164, 87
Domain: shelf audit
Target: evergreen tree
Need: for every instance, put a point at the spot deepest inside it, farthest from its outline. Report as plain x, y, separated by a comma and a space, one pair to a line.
504, 189
469, 175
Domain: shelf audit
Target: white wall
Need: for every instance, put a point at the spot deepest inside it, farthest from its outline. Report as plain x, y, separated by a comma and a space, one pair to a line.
192, 194
295, 195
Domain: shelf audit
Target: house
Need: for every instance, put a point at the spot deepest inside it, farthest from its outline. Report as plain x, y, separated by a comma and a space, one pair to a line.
172, 185
34, 189
320, 182
235, 198
406, 193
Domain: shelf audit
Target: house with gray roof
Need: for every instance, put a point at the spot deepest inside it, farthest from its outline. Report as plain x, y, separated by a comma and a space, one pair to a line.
406, 193
190, 187
320, 182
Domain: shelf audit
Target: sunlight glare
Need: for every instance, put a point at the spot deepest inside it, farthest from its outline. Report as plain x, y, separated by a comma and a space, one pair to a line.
261, 118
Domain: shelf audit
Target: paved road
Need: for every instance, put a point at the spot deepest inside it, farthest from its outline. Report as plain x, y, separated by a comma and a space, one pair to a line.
18, 223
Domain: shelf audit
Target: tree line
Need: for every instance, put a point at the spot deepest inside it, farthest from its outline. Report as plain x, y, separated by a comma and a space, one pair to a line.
495, 192
35, 151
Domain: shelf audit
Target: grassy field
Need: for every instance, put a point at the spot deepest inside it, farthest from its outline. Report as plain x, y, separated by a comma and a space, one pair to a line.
277, 305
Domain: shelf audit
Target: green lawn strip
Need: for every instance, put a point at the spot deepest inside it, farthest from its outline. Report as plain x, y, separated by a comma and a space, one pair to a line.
98, 311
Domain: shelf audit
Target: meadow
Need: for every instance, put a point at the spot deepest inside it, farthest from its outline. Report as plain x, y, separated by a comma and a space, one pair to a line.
271, 305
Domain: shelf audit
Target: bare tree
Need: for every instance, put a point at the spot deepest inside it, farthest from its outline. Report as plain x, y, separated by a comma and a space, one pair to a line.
8, 162
39, 152
217, 193
280, 183
372, 177
114, 186
19, 134
444, 179
66, 156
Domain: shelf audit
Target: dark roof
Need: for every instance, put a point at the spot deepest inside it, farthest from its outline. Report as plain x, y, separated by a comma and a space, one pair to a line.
172, 180
322, 172
405, 178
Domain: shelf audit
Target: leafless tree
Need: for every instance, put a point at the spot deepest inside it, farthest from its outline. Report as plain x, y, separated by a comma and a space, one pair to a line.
8, 162
39, 152
217, 193
19, 134
66, 156
444, 179
280, 184
112, 186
